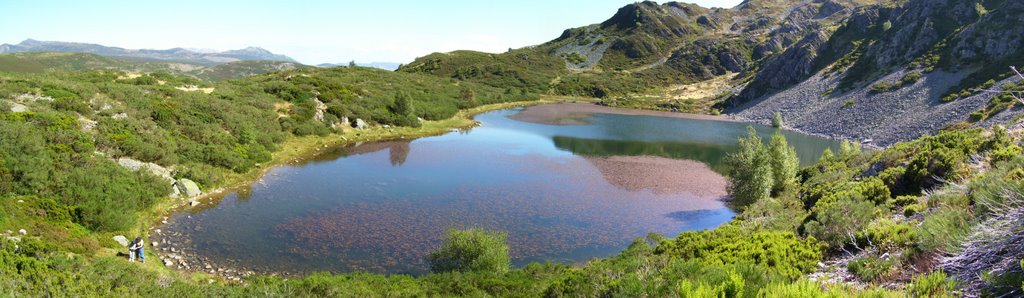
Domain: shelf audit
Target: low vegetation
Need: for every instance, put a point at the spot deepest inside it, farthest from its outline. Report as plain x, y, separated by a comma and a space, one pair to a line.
914, 205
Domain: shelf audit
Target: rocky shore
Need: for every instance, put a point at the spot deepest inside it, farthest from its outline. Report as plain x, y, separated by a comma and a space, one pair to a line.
880, 119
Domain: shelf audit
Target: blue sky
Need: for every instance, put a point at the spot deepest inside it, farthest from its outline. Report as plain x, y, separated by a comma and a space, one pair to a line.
309, 31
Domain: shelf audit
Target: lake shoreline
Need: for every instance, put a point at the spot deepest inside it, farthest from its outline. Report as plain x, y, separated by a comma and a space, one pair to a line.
296, 150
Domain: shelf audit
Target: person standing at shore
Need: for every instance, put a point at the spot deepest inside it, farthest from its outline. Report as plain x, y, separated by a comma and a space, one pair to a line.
136, 249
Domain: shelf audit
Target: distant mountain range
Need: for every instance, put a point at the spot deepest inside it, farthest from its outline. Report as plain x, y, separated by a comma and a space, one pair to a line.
379, 65
176, 54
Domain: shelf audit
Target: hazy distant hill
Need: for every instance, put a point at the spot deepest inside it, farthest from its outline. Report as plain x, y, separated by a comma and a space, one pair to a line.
175, 54
57, 61
379, 65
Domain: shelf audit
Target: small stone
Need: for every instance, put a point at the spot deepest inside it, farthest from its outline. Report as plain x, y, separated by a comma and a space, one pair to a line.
21, 201
157, 231
23, 232
163, 221
193, 203
208, 266
168, 263
155, 244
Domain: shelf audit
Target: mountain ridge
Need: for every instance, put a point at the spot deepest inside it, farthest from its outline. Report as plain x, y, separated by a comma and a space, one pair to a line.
173, 54
848, 57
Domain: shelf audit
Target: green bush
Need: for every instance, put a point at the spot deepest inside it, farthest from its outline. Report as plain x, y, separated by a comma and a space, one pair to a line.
472, 250
943, 229
871, 268
888, 235
781, 252
837, 223
934, 284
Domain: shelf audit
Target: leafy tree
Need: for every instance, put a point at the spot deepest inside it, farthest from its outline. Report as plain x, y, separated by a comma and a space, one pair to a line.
784, 163
352, 63
750, 170
472, 250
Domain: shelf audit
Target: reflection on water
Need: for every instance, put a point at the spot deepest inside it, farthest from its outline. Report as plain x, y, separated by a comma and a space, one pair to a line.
564, 193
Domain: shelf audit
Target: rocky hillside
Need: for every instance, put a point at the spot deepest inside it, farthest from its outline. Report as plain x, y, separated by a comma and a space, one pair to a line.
895, 72
879, 70
175, 54
648, 45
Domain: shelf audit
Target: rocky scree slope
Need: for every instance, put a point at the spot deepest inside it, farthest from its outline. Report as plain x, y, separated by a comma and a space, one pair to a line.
895, 72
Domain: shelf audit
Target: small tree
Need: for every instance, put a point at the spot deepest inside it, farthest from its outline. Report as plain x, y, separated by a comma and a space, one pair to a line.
848, 148
402, 105
352, 63
827, 155
784, 162
777, 120
750, 170
468, 96
472, 250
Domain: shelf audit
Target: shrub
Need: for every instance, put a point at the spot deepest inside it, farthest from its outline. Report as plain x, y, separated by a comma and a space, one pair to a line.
871, 268
888, 235
942, 230
777, 120
781, 252
472, 250
934, 284
837, 223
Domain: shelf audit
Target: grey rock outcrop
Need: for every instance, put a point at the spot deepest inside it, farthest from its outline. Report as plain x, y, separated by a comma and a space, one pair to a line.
360, 124
122, 240
320, 108
188, 188
155, 169
18, 108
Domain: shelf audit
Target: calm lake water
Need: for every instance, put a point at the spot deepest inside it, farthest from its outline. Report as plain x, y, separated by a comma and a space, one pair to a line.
563, 193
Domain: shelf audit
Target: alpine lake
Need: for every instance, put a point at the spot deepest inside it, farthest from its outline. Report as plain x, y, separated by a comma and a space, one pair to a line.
567, 182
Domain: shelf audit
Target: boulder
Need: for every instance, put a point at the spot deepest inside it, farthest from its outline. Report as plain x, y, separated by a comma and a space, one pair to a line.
86, 124
22, 232
18, 108
122, 240
320, 108
188, 187
360, 124
168, 263
136, 165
